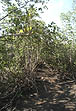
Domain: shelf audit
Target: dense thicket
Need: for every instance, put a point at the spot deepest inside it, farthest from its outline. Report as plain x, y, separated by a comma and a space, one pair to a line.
26, 41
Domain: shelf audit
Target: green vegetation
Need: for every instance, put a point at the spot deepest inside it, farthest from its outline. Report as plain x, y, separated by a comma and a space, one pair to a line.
27, 42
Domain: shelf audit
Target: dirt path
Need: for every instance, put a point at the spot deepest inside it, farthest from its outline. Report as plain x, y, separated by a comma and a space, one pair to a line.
52, 96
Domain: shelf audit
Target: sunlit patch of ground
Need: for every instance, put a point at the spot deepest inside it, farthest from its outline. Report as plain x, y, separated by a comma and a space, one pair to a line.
51, 95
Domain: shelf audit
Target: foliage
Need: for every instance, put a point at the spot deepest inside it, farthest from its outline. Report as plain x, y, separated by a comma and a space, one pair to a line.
69, 28
27, 42
38, 42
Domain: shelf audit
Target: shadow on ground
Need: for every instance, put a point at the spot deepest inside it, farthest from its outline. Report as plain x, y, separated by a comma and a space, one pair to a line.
51, 97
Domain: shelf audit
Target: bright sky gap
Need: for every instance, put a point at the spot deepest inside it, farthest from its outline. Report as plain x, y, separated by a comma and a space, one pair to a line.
55, 8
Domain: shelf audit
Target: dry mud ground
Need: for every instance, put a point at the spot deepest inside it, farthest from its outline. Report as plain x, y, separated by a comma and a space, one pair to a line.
53, 95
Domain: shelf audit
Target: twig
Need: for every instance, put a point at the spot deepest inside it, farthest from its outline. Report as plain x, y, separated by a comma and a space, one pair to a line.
12, 92
21, 34
66, 82
10, 103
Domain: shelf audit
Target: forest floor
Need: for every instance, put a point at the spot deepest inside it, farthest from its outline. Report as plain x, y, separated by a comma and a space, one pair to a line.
53, 95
